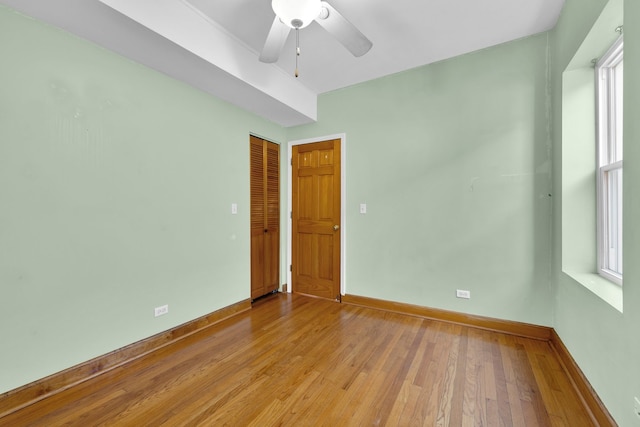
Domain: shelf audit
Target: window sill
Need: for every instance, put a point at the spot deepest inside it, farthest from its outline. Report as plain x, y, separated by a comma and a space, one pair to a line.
608, 291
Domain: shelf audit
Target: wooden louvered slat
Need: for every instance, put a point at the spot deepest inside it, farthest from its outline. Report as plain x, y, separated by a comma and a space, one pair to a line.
257, 184
273, 187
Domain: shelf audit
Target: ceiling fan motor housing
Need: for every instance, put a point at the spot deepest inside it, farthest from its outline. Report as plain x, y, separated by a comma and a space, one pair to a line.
296, 13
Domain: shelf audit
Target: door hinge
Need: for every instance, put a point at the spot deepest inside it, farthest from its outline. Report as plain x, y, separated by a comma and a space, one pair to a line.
290, 267
339, 298
292, 161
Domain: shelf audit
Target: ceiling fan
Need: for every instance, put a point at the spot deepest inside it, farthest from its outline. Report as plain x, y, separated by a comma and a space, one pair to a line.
297, 14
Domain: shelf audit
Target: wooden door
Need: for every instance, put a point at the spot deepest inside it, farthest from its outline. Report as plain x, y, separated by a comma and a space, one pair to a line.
265, 216
315, 245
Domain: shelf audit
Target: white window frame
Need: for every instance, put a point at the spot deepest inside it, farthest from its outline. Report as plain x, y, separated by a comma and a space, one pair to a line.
609, 162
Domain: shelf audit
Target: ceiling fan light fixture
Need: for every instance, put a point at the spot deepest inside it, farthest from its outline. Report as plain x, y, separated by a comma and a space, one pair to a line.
296, 13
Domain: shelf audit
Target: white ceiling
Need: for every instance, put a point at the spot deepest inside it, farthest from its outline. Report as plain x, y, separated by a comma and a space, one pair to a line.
214, 44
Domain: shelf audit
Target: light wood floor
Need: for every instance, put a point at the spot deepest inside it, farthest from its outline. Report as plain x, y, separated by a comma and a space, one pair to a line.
297, 361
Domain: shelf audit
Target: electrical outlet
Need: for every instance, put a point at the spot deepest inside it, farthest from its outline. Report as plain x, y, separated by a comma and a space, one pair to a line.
636, 406
460, 293
363, 208
159, 311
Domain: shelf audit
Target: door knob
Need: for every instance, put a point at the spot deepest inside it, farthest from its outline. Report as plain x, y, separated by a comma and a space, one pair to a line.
336, 227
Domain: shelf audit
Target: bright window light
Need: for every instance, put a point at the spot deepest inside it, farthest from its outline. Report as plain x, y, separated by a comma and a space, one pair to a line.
609, 82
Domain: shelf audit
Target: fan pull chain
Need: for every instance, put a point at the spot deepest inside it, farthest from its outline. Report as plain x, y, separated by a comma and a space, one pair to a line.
297, 49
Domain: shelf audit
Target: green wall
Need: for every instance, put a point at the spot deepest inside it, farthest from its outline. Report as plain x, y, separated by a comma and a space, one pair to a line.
602, 340
453, 161
116, 184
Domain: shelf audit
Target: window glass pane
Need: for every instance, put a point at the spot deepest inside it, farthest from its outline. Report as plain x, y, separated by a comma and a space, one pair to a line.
618, 83
613, 190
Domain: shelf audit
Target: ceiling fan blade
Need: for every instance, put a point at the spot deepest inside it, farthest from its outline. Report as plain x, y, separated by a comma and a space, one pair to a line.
343, 30
275, 41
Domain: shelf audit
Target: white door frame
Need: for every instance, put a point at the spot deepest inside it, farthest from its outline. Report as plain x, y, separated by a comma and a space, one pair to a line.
343, 197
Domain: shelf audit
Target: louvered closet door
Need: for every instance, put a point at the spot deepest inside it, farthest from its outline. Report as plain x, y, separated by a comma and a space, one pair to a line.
265, 216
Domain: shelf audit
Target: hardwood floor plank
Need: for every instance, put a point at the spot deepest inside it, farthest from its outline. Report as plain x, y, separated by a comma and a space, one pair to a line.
507, 348
400, 403
294, 361
459, 380
434, 381
559, 397
500, 375
402, 363
472, 379
343, 409
270, 415
445, 405
365, 402
533, 406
